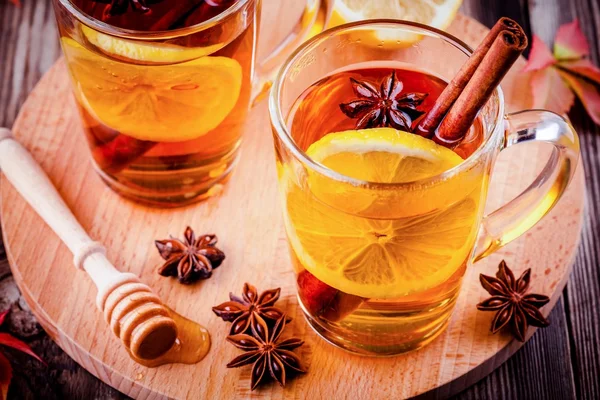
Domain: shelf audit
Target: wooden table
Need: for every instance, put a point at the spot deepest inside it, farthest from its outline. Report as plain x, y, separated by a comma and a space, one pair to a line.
562, 361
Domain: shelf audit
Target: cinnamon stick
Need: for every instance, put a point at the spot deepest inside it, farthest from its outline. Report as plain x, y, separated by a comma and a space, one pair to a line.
505, 50
434, 117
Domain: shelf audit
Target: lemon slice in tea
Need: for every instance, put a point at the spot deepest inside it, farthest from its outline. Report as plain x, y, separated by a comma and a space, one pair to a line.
162, 103
384, 155
130, 50
378, 257
436, 13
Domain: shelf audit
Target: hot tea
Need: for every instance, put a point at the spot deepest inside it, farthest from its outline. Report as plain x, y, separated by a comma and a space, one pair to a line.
371, 261
384, 169
163, 117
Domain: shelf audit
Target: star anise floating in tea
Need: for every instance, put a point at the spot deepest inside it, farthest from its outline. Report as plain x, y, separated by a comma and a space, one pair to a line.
191, 259
383, 107
514, 308
243, 311
118, 7
270, 356
257, 326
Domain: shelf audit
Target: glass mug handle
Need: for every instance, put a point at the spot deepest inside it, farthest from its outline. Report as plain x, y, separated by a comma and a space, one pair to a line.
520, 214
296, 21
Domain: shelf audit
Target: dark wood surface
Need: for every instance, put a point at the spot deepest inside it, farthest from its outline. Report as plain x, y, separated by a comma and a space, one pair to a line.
559, 362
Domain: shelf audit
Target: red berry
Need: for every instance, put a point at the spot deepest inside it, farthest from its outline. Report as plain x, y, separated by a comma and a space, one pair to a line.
323, 300
315, 295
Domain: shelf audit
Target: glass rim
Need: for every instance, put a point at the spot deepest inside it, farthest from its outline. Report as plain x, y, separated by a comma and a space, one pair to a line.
281, 129
146, 35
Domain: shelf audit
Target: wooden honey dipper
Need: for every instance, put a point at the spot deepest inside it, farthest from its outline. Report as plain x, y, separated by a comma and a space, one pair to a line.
134, 313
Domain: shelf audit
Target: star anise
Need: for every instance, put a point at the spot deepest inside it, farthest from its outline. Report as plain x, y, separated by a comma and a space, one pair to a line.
242, 311
384, 107
514, 308
191, 259
267, 352
118, 7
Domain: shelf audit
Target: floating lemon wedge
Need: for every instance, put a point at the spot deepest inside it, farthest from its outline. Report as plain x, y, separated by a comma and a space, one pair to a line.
436, 13
382, 155
162, 103
379, 257
130, 50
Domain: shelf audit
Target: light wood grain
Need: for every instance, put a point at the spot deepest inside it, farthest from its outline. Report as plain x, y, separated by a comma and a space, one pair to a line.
247, 219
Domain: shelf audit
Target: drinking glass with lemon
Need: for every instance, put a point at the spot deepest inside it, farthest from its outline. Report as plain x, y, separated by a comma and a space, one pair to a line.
163, 92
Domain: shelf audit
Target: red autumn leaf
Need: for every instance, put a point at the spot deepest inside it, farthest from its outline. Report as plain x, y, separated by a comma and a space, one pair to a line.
557, 78
582, 67
5, 367
550, 91
5, 376
540, 56
570, 43
587, 93
8, 340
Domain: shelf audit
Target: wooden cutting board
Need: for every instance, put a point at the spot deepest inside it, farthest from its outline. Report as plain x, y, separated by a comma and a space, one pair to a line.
247, 219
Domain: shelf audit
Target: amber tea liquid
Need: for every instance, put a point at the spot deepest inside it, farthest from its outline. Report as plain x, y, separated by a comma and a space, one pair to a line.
378, 270
163, 118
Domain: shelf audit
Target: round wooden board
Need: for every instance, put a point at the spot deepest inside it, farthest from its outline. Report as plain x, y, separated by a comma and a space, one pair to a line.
247, 219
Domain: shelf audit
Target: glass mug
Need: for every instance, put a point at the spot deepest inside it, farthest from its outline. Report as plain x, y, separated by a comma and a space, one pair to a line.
164, 110
379, 265
277, 40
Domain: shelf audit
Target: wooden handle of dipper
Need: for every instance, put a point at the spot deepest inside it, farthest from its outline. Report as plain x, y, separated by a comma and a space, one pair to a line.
134, 313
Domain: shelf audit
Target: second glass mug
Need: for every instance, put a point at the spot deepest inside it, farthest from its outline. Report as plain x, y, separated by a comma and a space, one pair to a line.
382, 277
164, 110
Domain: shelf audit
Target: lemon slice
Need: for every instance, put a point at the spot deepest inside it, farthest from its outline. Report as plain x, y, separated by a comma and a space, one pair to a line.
436, 13
385, 155
377, 257
129, 50
162, 103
